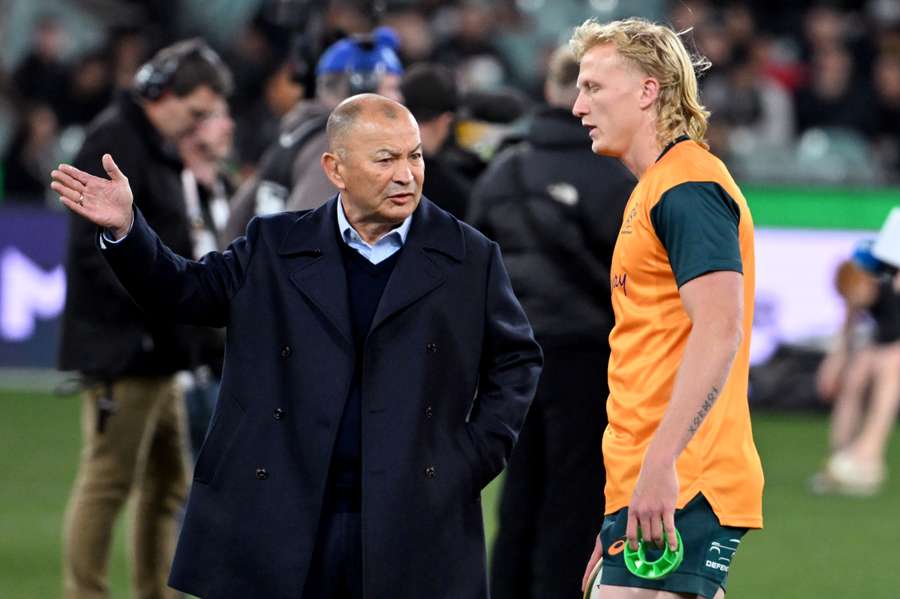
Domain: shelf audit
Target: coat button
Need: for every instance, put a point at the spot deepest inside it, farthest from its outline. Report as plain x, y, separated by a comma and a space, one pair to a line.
431, 348
278, 414
430, 472
262, 473
286, 351
316, 252
428, 412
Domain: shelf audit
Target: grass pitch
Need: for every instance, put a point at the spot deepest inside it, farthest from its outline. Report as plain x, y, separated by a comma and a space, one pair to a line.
811, 546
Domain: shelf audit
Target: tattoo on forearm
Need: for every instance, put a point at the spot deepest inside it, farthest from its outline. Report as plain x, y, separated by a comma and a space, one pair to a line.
704, 410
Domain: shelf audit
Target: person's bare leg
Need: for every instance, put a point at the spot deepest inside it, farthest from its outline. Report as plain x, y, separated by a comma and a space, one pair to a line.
847, 412
881, 417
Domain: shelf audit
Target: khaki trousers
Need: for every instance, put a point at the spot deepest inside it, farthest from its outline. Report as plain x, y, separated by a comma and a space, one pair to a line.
142, 450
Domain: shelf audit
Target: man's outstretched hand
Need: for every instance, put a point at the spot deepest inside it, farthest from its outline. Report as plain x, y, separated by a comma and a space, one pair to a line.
105, 202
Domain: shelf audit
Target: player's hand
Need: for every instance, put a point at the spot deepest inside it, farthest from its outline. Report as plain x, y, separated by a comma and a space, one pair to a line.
652, 506
595, 557
105, 202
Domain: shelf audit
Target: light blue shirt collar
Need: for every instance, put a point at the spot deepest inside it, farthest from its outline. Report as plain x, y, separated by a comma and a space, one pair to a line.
383, 248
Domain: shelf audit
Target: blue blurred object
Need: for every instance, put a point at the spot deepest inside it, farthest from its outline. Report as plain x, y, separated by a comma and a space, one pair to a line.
374, 53
863, 257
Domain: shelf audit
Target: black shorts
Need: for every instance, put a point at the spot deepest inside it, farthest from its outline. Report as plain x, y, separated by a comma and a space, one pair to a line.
709, 549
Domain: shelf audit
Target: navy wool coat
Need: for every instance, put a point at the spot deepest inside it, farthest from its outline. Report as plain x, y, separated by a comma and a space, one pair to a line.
449, 370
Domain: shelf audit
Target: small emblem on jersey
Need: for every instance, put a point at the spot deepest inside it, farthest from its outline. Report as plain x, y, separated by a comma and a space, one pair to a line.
626, 226
564, 193
617, 547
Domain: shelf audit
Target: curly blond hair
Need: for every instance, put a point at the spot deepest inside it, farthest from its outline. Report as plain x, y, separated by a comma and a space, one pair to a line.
657, 51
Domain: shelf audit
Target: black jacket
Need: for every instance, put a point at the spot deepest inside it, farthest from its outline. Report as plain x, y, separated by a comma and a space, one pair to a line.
555, 208
104, 333
445, 186
450, 367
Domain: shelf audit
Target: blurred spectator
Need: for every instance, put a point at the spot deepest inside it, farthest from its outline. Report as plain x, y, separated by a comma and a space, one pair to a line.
860, 429
88, 90
128, 49
471, 51
430, 94
207, 188
487, 122
416, 40
886, 133
555, 208
251, 59
828, 24
33, 152
756, 110
350, 17
824, 27
739, 23
832, 98
132, 412
257, 127
38, 76
290, 175
759, 50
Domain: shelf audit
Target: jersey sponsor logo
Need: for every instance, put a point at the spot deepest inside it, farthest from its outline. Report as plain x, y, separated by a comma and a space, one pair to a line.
722, 555
716, 566
617, 547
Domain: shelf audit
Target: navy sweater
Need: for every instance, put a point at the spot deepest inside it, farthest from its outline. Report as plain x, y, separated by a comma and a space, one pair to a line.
365, 285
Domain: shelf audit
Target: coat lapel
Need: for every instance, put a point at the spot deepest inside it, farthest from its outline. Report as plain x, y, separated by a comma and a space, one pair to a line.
417, 271
316, 267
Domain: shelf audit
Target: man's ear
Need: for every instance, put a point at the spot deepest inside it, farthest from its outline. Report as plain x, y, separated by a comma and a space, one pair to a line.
649, 92
331, 164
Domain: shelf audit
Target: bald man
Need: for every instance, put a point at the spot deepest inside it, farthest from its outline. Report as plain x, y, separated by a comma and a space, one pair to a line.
378, 370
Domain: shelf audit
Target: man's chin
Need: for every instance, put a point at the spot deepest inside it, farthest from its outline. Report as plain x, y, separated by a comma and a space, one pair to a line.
601, 149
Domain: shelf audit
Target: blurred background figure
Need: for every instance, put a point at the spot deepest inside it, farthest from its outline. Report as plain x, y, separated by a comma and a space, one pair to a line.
862, 377
832, 98
487, 121
430, 93
471, 50
207, 186
132, 420
290, 176
555, 208
40, 75
34, 148
87, 88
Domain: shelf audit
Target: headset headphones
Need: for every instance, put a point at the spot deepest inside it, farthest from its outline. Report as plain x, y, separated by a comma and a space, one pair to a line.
155, 76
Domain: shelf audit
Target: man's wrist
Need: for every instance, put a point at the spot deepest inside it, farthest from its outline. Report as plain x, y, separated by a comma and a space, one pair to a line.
660, 456
120, 233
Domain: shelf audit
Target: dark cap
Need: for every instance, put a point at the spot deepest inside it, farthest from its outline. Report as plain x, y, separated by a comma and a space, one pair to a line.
501, 106
429, 90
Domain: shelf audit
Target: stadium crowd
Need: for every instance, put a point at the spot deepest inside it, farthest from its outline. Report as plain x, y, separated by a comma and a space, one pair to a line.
795, 87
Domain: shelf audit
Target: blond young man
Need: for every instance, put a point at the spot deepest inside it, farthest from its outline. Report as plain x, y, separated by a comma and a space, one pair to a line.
679, 449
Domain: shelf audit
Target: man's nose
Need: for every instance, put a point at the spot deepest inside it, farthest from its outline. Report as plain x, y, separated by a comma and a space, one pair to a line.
579, 109
403, 172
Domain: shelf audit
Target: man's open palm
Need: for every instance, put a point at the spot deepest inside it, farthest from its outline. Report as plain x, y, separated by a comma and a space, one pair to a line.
105, 202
